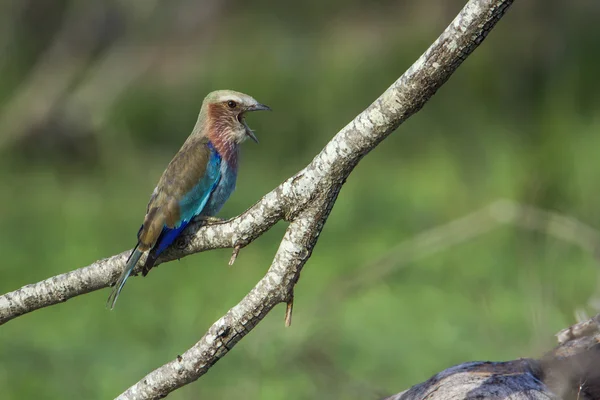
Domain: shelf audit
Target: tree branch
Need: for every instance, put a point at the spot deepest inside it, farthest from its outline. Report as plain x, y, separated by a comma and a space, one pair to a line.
304, 200
275, 287
239, 231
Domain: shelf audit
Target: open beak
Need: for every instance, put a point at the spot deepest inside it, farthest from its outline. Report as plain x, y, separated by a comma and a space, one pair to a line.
251, 135
254, 107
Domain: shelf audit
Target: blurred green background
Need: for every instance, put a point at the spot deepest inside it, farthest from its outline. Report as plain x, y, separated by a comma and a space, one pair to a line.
96, 97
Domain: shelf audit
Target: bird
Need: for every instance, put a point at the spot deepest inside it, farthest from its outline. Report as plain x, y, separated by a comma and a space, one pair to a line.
198, 180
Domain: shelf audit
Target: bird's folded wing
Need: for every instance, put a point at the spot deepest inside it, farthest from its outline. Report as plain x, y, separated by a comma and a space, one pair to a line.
182, 192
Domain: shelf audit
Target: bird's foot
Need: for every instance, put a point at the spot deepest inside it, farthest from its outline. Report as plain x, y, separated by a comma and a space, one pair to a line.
208, 220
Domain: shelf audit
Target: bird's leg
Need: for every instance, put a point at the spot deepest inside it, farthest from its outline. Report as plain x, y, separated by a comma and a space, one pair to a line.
145, 266
208, 220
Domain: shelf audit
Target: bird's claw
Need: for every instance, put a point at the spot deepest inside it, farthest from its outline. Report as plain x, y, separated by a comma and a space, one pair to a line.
145, 270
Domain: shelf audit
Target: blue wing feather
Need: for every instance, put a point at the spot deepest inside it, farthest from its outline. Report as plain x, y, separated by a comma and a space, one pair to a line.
168, 236
190, 206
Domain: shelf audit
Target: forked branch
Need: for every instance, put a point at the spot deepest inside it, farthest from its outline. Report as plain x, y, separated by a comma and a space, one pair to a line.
304, 200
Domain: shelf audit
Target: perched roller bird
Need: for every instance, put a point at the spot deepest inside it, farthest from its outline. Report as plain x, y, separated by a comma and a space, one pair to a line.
198, 180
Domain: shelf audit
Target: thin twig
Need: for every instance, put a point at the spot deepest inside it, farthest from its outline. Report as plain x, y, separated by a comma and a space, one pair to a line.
234, 254
289, 307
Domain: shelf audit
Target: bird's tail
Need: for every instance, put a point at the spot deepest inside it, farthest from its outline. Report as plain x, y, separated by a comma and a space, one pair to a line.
132, 261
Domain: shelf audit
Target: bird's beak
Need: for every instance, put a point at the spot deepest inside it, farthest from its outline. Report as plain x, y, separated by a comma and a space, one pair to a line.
258, 107
255, 107
251, 135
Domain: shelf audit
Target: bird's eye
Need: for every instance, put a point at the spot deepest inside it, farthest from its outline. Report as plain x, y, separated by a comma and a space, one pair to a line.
231, 104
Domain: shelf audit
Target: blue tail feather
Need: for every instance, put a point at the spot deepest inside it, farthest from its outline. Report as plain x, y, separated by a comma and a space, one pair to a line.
132, 261
166, 238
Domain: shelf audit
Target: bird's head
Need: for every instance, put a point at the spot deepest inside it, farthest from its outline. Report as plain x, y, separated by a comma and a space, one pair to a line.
226, 109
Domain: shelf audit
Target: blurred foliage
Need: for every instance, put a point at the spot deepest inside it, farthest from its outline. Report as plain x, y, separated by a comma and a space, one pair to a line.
84, 141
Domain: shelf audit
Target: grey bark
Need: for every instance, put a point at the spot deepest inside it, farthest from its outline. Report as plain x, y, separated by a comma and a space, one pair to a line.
304, 200
570, 371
